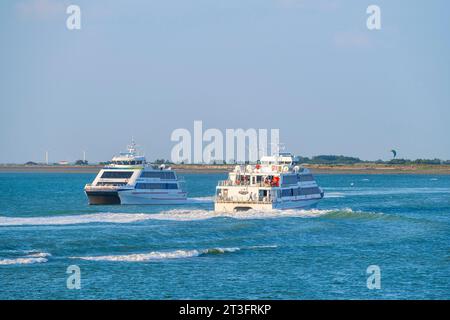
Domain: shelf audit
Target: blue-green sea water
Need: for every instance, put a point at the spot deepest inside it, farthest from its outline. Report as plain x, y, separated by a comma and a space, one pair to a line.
400, 223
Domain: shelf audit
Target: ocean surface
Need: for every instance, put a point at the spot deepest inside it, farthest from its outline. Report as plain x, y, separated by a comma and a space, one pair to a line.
400, 223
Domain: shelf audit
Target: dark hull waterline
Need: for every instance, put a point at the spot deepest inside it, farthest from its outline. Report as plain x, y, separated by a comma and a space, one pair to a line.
103, 197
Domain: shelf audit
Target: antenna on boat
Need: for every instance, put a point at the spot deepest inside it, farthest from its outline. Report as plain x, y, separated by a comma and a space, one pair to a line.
280, 146
132, 147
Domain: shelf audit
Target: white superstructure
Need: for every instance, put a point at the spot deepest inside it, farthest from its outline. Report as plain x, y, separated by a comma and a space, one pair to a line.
155, 186
276, 182
128, 179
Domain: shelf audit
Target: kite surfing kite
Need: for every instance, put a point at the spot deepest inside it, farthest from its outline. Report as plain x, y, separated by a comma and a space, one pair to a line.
394, 153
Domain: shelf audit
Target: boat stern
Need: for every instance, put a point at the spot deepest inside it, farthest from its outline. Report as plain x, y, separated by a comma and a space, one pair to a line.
240, 206
101, 195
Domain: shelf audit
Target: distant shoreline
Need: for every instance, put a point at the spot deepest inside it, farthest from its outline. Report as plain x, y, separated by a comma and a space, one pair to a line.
195, 168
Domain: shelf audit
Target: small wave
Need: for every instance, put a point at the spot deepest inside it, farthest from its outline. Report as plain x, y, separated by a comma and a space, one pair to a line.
334, 195
141, 257
219, 250
158, 255
201, 200
350, 214
38, 257
269, 246
389, 191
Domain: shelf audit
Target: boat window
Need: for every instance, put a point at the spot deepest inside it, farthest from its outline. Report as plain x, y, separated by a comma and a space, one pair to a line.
164, 175
290, 179
286, 192
122, 163
117, 184
117, 174
305, 177
308, 191
156, 185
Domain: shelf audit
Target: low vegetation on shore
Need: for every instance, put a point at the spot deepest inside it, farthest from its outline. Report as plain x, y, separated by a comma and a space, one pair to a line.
319, 164
342, 160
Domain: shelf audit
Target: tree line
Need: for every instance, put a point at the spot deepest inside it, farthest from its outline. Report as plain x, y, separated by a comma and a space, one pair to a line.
320, 159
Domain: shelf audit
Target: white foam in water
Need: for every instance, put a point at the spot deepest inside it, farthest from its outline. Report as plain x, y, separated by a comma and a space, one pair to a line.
201, 200
191, 215
173, 215
334, 195
270, 246
157, 255
38, 257
167, 255
140, 257
393, 191
75, 219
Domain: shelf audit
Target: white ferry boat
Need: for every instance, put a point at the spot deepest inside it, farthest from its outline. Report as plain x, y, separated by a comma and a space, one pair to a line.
276, 182
128, 179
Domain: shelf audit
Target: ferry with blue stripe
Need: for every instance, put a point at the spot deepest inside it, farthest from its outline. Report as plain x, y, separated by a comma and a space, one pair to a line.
129, 179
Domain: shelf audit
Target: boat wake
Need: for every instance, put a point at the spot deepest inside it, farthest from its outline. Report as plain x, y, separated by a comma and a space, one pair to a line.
192, 215
200, 200
74, 219
171, 215
37, 257
167, 255
334, 195
182, 215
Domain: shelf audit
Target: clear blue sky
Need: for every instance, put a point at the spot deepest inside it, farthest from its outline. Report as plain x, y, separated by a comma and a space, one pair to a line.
145, 68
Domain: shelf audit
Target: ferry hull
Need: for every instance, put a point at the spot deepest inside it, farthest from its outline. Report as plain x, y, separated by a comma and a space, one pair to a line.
281, 205
103, 197
140, 198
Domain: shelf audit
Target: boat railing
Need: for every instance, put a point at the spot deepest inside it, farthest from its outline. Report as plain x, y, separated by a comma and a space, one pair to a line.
230, 199
89, 186
230, 183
